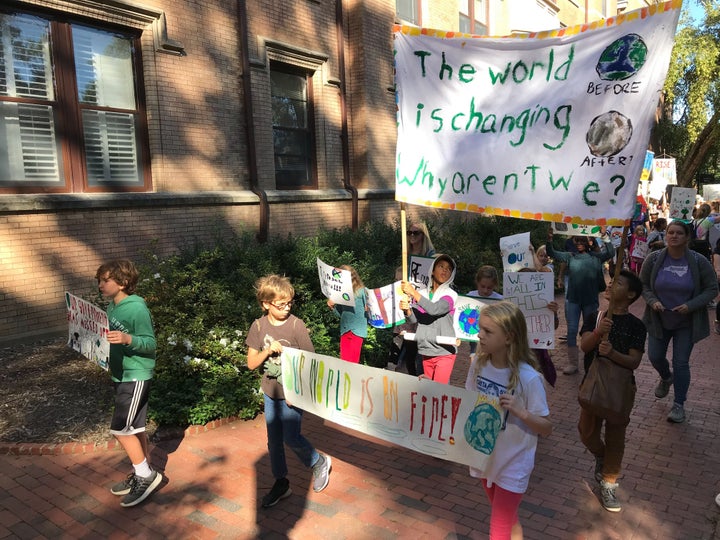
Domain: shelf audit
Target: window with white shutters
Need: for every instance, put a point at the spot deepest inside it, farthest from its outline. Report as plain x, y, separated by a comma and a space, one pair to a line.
69, 126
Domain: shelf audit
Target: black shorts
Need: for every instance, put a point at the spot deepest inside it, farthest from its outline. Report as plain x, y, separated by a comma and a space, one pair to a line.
131, 401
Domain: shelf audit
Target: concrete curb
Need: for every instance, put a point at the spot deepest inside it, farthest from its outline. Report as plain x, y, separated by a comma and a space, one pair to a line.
55, 449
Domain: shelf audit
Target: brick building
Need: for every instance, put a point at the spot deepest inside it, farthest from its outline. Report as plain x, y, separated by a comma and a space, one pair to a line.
140, 125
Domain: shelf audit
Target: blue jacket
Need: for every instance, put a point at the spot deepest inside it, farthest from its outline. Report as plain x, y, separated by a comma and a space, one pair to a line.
354, 319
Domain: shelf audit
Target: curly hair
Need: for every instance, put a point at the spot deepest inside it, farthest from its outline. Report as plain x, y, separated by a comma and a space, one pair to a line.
122, 271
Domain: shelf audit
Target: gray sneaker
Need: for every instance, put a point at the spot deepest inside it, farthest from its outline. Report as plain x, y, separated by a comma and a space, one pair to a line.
124, 487
321, 473
608, 498
141, 489
663, 387
676, 414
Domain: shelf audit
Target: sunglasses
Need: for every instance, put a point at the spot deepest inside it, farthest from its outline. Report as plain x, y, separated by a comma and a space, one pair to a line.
282, 305
414, 233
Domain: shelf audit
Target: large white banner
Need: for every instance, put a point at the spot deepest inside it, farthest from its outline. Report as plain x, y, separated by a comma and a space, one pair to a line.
440, 420
552, 126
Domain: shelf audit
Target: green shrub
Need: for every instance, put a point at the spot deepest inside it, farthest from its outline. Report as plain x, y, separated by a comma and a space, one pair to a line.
203, 303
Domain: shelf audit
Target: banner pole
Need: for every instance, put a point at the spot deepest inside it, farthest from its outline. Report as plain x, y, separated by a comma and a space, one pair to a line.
618, 264
403, 239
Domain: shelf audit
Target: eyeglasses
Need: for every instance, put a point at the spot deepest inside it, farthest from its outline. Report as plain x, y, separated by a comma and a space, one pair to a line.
414, 233
282, 305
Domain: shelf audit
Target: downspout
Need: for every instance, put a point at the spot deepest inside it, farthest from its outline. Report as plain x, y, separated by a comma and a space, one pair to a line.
242, 29
347, 183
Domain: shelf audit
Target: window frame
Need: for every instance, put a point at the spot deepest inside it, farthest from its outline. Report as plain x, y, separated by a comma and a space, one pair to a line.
67, 109
474, 19
312, 168
418, 8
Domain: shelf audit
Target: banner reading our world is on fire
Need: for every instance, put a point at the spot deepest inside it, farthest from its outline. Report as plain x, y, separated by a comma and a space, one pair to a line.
551, 126
436, 419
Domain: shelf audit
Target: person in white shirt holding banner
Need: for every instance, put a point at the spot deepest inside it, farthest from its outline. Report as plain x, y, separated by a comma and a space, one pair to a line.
505, 368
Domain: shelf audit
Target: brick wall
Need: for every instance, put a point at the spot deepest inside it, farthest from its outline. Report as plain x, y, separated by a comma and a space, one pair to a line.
197, 136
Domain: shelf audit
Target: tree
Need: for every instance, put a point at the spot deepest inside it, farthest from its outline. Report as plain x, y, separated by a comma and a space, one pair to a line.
689, 124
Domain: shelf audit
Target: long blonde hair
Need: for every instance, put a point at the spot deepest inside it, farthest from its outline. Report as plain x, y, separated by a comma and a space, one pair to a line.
512, 322
426, 248
357, 283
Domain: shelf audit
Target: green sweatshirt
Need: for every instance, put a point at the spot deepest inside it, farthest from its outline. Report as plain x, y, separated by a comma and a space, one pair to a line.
134, 362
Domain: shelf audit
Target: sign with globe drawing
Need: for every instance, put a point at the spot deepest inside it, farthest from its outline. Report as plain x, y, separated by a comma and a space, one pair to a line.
551, 126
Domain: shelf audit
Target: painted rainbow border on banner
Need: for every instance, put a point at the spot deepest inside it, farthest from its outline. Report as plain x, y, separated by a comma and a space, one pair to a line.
559, 217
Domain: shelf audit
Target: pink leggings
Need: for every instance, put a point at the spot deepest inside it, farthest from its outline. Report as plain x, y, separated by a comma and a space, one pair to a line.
439, 368
350, 347
503, 510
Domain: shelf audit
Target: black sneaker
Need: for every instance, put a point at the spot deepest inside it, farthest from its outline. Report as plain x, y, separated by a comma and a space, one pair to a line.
321, 473
599, 469
280, 490
663, 387
141, 489
124, 487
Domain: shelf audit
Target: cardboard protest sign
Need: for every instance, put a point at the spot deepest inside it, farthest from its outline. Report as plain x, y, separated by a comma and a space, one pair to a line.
682, 202
711, 192
515, 251
435, 419
640, 249
467, 316
664, 170
384, 306
88, 329
531, 292
647, 166
336, 284
714, 235
420, 269
551, 126
663, 175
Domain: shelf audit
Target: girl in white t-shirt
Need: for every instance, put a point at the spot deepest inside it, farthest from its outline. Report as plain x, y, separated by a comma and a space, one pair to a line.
506, 371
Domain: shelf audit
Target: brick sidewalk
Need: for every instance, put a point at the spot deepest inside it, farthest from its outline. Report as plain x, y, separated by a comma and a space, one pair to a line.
378, 491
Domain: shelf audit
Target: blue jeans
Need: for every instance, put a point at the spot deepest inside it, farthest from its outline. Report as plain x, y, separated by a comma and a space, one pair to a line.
572, 317
283, 427
682, 347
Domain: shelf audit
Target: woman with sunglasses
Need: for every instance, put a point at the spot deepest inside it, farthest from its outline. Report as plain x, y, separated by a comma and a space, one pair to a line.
419, 242
420, 245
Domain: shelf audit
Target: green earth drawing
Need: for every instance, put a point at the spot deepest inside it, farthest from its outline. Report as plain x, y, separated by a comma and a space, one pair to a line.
622, 59
482, 428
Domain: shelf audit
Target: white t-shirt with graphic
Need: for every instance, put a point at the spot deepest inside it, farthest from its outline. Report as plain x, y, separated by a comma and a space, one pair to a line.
513, 457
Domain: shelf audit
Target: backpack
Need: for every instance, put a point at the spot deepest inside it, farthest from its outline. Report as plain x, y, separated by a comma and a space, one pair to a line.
701, 245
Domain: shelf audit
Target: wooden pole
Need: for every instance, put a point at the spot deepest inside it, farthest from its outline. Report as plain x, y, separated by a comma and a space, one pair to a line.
618, 265
403, 239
